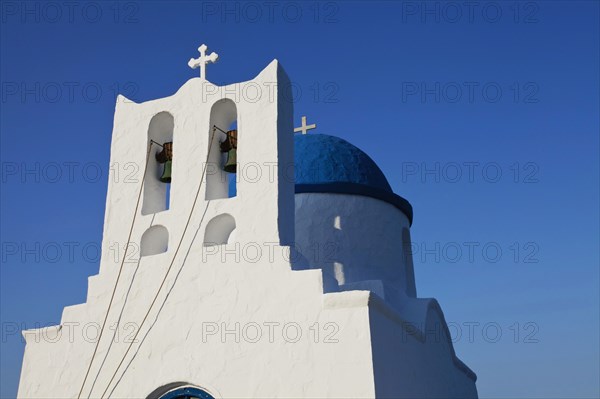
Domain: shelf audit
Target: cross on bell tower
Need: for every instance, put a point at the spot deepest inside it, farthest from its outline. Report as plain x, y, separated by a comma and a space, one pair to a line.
304, 128
202, 60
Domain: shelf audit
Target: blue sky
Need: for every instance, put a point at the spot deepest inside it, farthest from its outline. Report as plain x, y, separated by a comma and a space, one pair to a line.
485, 117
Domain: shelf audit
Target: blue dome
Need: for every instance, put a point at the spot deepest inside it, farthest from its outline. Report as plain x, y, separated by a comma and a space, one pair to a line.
328, 164
320, 158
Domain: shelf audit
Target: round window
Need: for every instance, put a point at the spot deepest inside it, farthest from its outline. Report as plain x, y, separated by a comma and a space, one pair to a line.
187, 393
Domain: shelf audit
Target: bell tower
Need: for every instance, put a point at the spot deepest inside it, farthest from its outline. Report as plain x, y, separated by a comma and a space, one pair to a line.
167, 205
196, 120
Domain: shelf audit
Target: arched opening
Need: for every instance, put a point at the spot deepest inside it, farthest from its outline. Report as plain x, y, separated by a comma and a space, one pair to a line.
154, 241
219, 183
156, 192
219, 230
232, 177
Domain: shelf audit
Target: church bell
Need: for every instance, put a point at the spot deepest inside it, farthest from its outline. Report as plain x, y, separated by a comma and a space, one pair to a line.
166, 157
230, 147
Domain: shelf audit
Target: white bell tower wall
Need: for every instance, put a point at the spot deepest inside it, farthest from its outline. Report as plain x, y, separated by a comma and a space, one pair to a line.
263, 208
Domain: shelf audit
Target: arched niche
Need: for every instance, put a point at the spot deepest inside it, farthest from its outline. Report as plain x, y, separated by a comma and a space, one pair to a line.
154, 241
223, 114
411, 288
219, 230
156, 193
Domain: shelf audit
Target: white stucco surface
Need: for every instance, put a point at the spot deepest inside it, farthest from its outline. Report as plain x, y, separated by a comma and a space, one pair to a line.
355, 239
249, 317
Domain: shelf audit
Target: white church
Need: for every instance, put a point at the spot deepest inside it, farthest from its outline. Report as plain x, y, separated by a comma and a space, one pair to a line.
245, 261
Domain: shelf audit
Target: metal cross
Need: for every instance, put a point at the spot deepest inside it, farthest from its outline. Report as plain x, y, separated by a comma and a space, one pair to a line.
202, 60
305, 128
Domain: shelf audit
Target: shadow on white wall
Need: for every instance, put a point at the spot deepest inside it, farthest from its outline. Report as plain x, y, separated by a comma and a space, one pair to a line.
155, 240
219, 230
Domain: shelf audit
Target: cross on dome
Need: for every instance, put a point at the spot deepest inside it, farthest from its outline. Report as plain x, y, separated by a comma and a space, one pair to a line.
305, 128
202, 60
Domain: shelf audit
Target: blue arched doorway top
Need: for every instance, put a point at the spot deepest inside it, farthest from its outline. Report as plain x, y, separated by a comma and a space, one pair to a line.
187, 393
